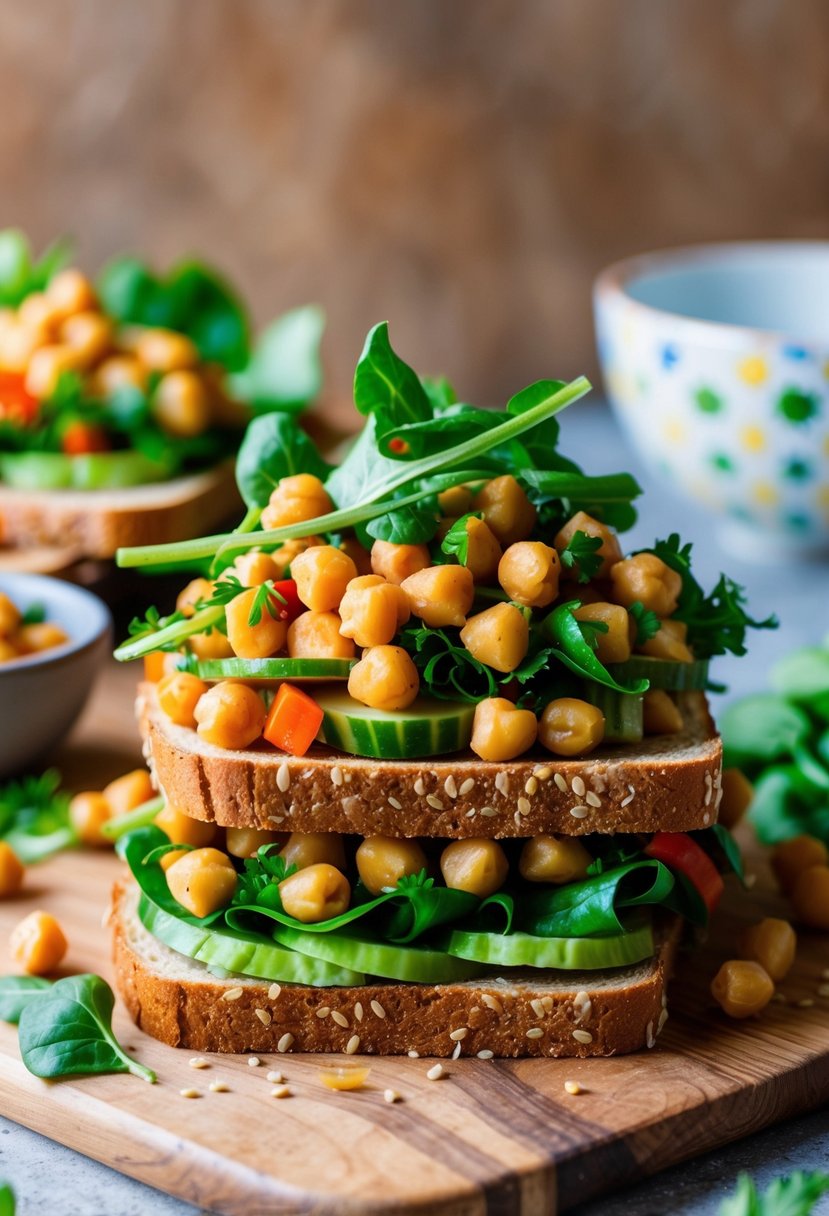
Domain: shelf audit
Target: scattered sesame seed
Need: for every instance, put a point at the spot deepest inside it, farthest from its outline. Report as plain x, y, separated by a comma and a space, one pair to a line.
337, 775
560, 782
502, 782
283, 778
274, 1076
254, 1061
488, 811
274, 991
285, 1043
451, 787
806, 1003
460, 1033
471, 814
352, 1045
578, 787
358, 1011
523, 806
823, 990
592, 799
779, 998
572, 1087
583, 1006
434, 802
232, 994
190, 1093
280, 1091
547, 1002
398, 806
582, 1036
390, 1096
339, 1018
413, 1055
537, 1008
663, 1017
535, 1032
265, 1017
419, 787
323, 1011
749, 880
706, 819
530, 786
378, 1009
349, 777
627, 800
275, 818
544, 773
650, 1038
435, 1072
467, 786
218, 1087
199, 1062
517, 819
486, 1054
579, 812
492, 1002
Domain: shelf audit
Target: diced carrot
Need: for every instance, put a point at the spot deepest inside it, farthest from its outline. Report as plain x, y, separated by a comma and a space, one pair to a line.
79, 438
293, 720
16, 404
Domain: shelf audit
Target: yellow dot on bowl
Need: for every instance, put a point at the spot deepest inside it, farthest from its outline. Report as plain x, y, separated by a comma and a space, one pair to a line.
826, 369
753, 438
674, 431
765, 493
822, 497
825, 446
753, 370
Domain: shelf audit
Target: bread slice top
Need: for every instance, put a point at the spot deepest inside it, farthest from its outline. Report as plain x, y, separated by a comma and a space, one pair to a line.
668, 783
178, 1000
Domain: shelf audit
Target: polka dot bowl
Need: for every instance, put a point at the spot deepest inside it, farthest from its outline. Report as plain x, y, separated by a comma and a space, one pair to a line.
716, 361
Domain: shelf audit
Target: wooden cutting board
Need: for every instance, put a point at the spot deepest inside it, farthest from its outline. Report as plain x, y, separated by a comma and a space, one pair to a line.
492, 1137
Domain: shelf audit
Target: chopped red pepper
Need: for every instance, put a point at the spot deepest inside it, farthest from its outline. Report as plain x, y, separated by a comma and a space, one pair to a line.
680, 852
79, 438
293, 605
293, 720
16, 404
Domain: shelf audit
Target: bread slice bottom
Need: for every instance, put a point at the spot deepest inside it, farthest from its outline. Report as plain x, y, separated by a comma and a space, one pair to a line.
531, 1013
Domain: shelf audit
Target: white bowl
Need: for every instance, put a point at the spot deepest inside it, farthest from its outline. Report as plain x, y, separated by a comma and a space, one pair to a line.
716, 360
42, 694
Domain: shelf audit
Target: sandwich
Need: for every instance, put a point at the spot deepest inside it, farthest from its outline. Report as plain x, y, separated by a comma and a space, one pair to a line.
439, 772
121, 401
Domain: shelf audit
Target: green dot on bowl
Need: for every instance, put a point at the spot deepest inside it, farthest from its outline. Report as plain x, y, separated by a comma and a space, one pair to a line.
722, 462
797, 406
708, 401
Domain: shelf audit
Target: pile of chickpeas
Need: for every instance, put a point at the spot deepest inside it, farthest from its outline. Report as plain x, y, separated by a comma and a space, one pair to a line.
203, 878
63, 328
357, 602
18, 639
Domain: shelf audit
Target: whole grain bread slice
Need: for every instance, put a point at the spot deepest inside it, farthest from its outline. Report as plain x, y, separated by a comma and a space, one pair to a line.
585, 1013
666, 783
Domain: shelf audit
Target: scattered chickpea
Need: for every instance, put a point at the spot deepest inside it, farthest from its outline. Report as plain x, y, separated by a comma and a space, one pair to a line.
384, 678
372, 610
88, 812
181, 405
660, 714
127, 792
164, 350
12, 871
45, 368
315, 893
499, 636
506, 509
529, 572
359, 555
383, 860
303, 849
259, 640
790, 858
556, 859
178, 695
117, 372
647, 579
212, 645
737, 794
38, 943
9, 614
89, 334
771, 943
43, 635
295, 500
230, 715
316, 635
477, 865
395, 563
810, 897
669, 643
609, 550
570, 727
483, 550
440, 595
742, 988
500, 731
70, 291
181, 828
614, 645
202, 881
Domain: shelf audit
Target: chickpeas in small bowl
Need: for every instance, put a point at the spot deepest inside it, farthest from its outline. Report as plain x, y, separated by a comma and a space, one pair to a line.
54, 638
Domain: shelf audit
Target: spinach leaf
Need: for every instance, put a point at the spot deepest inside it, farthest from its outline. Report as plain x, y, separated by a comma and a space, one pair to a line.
803, 674
762, 727
786, 804
284, 370
412, 525
16, 992
456, 541
386, 386
574, 651
795, 1195
439, 391
595, 905
274, 446
448, 427
68, 1030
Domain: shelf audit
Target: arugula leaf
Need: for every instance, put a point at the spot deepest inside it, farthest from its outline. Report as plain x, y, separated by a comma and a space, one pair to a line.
447, 669
412, 525
284, 371
647, 623
582, 556
17, 991
386, 386
34, 817
274, 446
456, 540
68, 1030
794, 1195
573, 650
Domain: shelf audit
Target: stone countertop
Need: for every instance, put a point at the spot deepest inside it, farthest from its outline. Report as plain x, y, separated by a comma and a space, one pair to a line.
45, 1174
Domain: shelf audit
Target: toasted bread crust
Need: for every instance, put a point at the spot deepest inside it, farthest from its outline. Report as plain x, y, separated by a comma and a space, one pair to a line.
623, 1012
666, 783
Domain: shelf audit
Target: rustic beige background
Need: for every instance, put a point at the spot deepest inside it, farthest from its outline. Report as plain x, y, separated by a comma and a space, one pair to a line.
462, 167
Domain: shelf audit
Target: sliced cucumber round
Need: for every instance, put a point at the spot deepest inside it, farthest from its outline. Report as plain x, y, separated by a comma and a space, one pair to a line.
555, 953
243, 954
663, 673
409, 964
623, 721
299, 670
429, 727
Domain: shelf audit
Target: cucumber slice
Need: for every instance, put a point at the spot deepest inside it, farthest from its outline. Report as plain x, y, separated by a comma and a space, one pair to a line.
273, 669
88, 471
427, 728
555, 953
622, 712
245, 954
409, 964
664, 673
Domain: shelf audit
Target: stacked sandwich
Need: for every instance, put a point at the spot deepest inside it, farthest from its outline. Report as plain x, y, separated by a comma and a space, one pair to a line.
439, 771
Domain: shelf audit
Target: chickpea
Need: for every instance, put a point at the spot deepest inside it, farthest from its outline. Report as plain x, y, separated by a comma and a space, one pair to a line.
164, 350
127, 792
8, 651
316, 893
609, 550
285, 554
12, 871
9, 614
613, 646
499, 636
88, 812
46, 366
322, 575
384, 678
183, 828
89, 334
295, 500
246, 842
771, 943
303, 849
70, 291
440, 595
18, 344
181, 405
477, 865
395, 563
483, 552
230, 715
170, 858
38, 944
660, 715
506, 509
455, 501
189, 597
810, 897
554, 859
36, 312
569, 727
647, 579
792, 857
383, 860
372, 610
742, 988
118, 372
737, 794
360, 556
500, 731
316, 635
669, 643
202, 881
178, 696
258, 641
529, 573
212, 645
32, 639
255, 568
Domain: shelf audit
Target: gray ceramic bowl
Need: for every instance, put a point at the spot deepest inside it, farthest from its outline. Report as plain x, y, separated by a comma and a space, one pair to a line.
41, 695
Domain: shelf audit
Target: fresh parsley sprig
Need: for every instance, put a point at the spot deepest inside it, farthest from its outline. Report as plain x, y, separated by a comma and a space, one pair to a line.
262, 873
456, 541
34, 817
581, 555
646, 621
795, 1195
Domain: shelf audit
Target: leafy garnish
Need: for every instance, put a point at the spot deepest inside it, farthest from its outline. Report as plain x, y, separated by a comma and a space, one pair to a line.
284, 371
20, 274
582, 556
795, 1195
573, 650
16, 992
447, 669
456, 540
142, 628
8, 1206
264, 871
412, 525
34, 817
646, 621
266, 599
274, 446
386, 386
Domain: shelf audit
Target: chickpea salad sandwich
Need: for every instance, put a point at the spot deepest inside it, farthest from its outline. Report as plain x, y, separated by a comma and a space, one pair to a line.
438, 769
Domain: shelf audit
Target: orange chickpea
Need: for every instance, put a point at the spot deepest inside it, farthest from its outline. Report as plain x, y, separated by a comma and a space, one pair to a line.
316, 635
609, 550
38, 943
178, 696
127, 792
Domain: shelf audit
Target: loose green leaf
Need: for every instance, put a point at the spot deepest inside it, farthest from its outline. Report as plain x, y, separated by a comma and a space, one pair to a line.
274, 446
582, 556
647, 622
17, 991
284, 371
456, 541
266, 599
35, 614
7, 1203
803, 674
19, 274
447, 669
598, 904
34, 817
763, 727
795, 1195
440, 392
574, 651
68, 1030
385, 385
412, 525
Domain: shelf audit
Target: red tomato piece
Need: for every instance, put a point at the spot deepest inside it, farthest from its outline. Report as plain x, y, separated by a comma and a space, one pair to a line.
680, 852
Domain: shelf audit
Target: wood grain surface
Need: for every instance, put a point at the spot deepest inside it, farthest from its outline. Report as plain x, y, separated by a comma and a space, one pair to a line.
492, 1137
